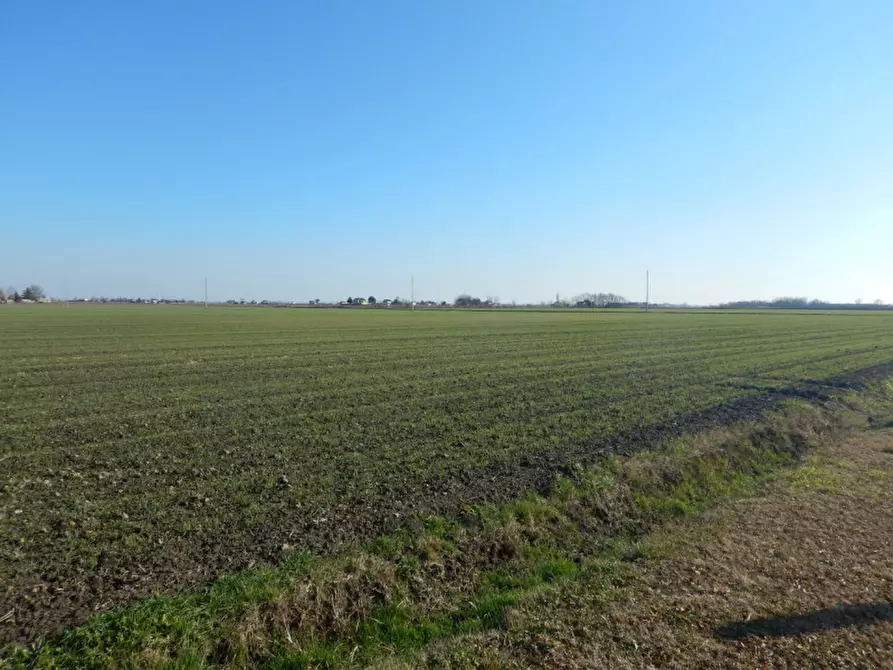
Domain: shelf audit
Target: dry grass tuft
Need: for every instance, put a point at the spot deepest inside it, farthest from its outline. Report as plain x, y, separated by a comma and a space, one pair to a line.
328, 604
504, 542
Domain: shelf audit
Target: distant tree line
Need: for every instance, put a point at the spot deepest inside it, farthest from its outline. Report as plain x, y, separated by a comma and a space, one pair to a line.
466, 300
598, 300
31, 293
386, 302
802, 303
582, 300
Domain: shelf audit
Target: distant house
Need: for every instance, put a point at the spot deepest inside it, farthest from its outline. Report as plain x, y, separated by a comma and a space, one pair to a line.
386, 302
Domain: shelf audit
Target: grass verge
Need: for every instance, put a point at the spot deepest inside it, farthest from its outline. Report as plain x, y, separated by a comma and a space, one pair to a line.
439, 578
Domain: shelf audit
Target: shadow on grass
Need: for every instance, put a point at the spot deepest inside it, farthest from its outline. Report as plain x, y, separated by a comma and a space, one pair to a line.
798, 624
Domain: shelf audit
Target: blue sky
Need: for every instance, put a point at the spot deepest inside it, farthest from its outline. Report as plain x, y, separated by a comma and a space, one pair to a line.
290, 150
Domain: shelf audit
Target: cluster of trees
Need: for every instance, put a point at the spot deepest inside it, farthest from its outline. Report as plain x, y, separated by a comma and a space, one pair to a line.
466, 300
33, 292
800, 303
398, 301
598, 299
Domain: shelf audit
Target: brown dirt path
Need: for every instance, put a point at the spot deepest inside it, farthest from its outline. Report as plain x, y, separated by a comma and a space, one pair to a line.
800, 576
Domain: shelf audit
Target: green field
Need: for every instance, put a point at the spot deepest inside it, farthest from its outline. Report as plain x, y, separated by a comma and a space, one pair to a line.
145, 449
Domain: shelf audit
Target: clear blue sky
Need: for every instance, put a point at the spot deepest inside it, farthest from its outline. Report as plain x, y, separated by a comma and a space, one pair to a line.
291, 150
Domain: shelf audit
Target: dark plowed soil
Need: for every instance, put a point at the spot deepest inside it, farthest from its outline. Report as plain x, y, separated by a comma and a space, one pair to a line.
67, 598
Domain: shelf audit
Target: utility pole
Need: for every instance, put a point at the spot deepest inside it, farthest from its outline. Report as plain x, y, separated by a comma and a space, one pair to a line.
412, 293
647, 289
206, 293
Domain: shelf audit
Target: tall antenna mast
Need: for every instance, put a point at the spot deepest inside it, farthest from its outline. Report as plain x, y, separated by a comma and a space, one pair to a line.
412, 293
206, 293
647, 289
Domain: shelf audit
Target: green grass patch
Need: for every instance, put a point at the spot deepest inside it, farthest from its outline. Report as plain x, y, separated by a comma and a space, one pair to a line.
818, 474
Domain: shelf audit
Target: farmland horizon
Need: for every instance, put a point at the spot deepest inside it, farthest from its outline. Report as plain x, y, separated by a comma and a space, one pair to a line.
557, 299
310, 151
418, 334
